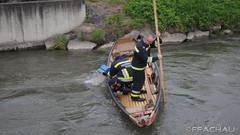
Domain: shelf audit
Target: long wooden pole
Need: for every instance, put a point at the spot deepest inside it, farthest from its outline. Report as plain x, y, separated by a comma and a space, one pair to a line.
159, 52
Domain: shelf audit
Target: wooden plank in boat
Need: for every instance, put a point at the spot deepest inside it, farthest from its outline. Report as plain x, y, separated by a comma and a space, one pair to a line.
125, 48
124, 44
127, 102
138, 109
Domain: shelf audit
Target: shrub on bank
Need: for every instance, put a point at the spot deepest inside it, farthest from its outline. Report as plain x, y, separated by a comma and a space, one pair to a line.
97, 36
187, 15
60, 43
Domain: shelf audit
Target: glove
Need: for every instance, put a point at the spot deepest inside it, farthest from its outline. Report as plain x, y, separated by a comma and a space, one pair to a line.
150, 64
104, 73
114, 87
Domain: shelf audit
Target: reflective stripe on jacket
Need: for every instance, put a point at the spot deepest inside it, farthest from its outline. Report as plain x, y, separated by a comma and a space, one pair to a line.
142, 55
122, 68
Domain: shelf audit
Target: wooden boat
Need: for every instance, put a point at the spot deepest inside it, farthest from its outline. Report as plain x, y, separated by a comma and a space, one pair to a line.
141, 113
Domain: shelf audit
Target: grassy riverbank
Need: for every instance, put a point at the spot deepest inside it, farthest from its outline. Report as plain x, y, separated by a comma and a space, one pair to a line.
187, 15
173, 15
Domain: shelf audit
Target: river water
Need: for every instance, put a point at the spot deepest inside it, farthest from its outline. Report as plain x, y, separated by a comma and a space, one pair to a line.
61, 93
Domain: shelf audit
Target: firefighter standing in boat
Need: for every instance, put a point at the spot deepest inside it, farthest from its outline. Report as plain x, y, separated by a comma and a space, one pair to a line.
140, 59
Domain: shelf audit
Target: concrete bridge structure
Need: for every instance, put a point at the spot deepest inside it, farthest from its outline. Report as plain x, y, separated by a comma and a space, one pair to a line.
37, 21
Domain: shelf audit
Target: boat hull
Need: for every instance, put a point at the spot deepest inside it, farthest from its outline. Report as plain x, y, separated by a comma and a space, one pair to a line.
141, 113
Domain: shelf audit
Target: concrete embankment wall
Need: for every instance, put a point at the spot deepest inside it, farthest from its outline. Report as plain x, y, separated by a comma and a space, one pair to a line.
38, 21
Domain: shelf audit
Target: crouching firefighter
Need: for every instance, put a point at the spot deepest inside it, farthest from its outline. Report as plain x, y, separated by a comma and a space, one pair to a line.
120, 74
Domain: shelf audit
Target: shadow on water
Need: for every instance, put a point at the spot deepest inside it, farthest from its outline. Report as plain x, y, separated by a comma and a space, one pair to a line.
61, 92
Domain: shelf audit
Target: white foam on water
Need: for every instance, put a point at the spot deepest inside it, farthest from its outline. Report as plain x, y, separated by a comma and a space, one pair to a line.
95, 78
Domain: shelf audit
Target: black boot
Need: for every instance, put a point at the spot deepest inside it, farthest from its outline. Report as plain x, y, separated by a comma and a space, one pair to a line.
126, 90
137, 99
143, 91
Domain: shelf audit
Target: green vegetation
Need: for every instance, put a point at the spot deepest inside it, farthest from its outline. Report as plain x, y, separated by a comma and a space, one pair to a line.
81, 38
97, 36
113, 27
174, 16
60, 43
187, 15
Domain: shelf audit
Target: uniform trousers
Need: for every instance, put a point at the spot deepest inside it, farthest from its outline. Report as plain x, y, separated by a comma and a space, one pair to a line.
138, 81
